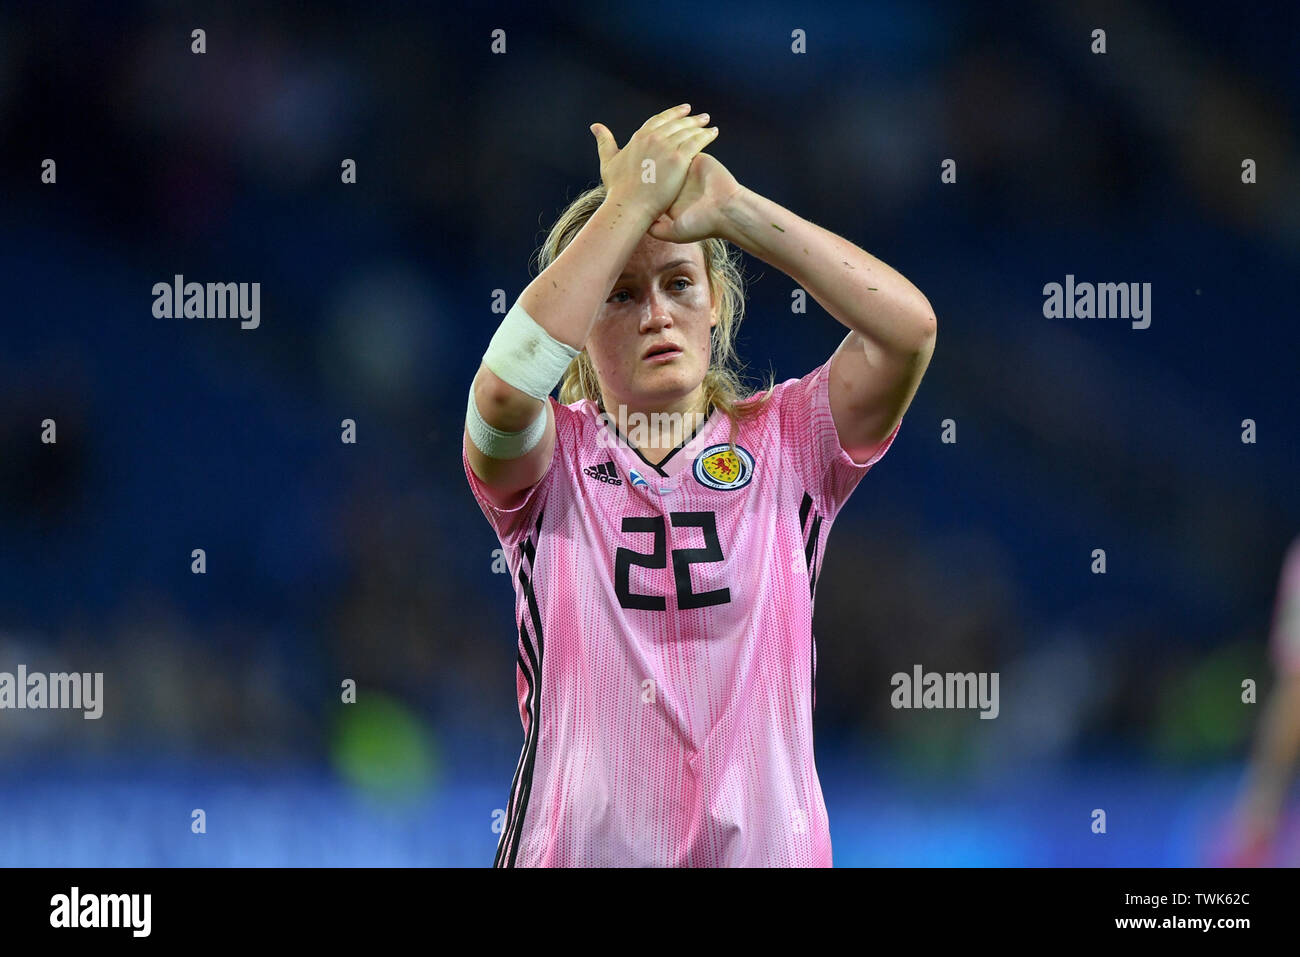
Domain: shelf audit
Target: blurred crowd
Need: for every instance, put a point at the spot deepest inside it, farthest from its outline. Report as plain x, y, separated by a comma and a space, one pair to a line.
329, 561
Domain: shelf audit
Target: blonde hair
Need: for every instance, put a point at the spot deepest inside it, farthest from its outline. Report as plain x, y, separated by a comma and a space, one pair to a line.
723, 386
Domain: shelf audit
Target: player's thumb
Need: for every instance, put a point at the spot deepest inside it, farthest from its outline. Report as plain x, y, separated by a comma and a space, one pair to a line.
604, 141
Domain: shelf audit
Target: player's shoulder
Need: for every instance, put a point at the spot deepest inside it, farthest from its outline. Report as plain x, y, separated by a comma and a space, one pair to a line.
798, 389
576, 411
794, 394
575, 422
758, 420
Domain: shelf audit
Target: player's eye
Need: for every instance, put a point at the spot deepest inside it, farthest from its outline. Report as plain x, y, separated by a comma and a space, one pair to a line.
621, 292
682, 279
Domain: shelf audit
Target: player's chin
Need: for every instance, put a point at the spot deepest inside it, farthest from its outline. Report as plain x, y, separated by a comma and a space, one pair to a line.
676, 373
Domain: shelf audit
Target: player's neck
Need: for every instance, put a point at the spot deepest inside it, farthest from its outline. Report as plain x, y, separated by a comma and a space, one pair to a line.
657, 430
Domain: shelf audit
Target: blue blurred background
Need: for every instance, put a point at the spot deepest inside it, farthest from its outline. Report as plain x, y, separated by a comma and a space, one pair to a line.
371, 562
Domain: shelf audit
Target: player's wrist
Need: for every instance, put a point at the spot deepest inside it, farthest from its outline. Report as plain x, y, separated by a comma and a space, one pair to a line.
635, 206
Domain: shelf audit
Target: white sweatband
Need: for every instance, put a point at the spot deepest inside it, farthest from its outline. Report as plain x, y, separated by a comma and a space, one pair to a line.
496, 444
526, 356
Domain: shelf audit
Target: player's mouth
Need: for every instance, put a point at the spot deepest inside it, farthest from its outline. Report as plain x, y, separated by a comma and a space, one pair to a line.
662, 353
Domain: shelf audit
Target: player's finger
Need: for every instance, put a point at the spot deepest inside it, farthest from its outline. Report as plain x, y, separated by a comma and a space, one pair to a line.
682, 109
686, 124
606, 145
691, 143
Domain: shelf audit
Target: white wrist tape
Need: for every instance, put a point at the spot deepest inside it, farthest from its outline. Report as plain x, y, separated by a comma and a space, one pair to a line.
526, 356
496, 444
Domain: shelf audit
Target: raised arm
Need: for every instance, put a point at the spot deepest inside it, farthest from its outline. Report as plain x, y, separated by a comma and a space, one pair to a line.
876, 369
566, 298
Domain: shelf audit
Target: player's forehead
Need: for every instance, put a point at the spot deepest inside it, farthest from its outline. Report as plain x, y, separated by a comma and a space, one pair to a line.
652, 256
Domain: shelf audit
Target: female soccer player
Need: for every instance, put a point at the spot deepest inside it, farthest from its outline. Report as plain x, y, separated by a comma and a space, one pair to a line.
665, 533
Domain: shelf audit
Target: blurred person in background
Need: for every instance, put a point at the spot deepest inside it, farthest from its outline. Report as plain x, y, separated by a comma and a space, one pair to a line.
1260, 809
665, 579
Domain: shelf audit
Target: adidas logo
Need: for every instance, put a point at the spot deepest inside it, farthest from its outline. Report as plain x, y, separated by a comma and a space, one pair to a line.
605, 472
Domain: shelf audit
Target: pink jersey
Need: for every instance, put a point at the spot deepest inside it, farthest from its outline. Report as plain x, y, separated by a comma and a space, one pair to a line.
1284, 641
666, 661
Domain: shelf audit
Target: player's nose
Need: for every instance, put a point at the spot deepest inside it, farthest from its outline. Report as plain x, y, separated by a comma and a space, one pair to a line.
656, 314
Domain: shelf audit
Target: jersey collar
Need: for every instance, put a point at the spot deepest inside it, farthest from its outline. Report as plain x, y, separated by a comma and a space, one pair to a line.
686, 439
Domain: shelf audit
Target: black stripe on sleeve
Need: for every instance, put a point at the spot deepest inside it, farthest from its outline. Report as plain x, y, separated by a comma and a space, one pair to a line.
512, 812
521, 787
810, 554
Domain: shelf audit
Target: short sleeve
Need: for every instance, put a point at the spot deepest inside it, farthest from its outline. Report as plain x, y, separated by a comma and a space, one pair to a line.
512, 524
1284, 640
811, 445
